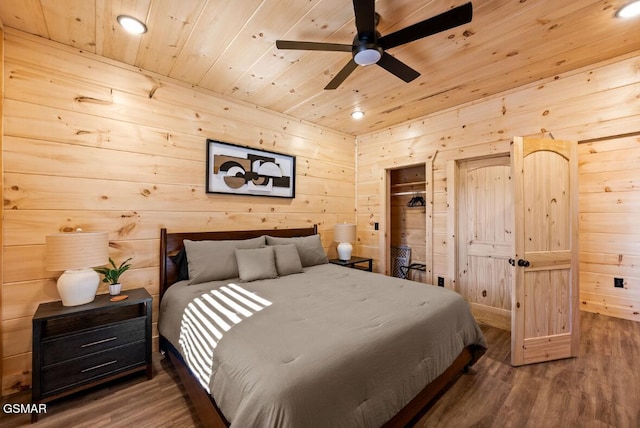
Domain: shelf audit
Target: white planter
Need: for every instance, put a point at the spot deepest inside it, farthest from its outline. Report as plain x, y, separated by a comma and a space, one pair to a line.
114, 289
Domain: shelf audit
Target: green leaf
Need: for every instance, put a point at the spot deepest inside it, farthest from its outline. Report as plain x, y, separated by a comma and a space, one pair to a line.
112, 274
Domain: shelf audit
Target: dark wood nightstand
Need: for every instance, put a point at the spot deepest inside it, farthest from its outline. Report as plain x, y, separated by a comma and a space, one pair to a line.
355, 263
77, 347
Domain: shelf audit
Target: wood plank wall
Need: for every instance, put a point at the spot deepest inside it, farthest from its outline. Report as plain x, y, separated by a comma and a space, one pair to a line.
594, 102
609, 180
92, 143
1, 178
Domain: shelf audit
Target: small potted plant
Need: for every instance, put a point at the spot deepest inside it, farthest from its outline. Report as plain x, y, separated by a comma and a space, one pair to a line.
112, 275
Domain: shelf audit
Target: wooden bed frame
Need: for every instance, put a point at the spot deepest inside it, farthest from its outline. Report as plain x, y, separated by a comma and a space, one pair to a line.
204, 404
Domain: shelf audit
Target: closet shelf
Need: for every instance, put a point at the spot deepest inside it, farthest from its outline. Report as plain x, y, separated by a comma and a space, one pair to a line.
408, 184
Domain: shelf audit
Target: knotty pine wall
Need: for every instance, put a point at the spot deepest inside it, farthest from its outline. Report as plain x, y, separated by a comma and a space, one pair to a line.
93, 143
591, 103
1, 176
609, 180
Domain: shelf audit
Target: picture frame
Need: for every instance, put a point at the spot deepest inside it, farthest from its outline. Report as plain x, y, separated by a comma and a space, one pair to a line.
240, 170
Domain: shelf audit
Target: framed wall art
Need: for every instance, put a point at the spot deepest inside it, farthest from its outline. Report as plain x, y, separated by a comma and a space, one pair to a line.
240, 170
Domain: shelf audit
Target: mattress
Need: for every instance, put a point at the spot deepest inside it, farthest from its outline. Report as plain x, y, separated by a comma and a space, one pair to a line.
329, 347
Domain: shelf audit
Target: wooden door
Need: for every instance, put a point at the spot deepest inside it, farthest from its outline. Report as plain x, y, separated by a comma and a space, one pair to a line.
545, 313
485, 239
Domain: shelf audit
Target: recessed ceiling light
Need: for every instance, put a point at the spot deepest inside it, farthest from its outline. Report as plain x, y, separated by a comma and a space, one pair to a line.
131, 24
357, 114
629, 11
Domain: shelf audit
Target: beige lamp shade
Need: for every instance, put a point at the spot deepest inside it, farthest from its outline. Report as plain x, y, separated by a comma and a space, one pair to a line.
76, 253
76, 250
344, 232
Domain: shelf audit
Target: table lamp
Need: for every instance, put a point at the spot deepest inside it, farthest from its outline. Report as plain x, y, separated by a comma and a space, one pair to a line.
344, 234
76, 253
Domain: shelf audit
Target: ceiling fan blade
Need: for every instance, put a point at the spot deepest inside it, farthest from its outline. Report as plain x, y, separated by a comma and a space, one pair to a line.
452, 18
365, 17
397, 67
342, 75
313, 46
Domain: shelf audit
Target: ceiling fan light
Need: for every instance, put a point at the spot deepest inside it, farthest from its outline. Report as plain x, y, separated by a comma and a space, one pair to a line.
357, 114
629, 11
367, 56
131, 24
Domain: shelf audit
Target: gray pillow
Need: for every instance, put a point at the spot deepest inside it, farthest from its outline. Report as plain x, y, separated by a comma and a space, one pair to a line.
256, 264
216, 260
287, 259
309, 248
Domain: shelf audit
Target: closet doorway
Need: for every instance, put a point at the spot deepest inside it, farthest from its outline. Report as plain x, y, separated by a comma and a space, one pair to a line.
408, 226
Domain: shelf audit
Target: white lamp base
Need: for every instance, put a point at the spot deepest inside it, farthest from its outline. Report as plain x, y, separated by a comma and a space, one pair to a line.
344, 251
78, 286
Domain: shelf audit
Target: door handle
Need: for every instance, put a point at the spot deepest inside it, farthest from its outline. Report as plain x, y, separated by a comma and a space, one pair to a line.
523, 263
512, 262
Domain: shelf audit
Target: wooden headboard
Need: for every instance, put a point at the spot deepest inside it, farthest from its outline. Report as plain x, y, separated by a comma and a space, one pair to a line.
172, 243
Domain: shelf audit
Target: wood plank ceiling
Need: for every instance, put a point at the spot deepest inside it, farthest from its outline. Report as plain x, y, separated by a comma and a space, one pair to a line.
229, 47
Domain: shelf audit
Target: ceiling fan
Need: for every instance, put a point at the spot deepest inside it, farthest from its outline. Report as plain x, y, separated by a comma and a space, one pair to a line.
369, 46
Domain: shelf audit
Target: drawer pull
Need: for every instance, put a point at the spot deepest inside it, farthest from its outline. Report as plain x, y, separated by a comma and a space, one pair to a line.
98, 366
86, 345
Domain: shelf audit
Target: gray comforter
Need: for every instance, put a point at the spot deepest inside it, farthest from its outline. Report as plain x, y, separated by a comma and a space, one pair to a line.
330, 347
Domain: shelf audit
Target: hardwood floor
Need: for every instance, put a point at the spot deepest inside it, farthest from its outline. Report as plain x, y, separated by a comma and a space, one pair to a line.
130, 402
600, 388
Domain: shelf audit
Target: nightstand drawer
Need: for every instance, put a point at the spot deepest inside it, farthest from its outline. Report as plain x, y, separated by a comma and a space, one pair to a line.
94, 340
80, 370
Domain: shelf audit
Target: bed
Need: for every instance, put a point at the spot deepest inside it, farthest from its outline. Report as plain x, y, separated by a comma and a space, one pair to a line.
317, 345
